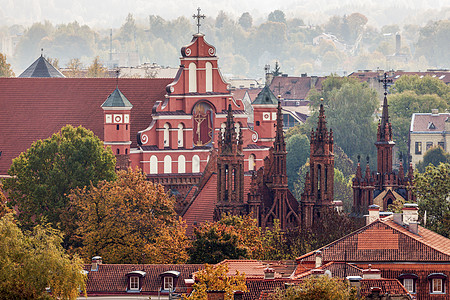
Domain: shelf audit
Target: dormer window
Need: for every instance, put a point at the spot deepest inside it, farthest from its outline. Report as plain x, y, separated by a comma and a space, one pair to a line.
409, 282
431, 125
135, 281
437, 281
169, 281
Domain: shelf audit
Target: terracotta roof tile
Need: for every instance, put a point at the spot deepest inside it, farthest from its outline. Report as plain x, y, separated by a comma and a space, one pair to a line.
387, 286
111, 278
421, 121
35, 108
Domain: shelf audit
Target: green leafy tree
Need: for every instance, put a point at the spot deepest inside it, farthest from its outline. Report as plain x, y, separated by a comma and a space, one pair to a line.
232, 237
433, 156
297, 148
343, 190
433, 42
5, 68
277, 16
42, 176
321, 287
433, 194
120, 220
246, 21
34, 260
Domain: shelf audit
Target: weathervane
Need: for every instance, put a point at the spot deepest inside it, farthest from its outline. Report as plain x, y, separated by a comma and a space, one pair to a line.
198, 16
385, 82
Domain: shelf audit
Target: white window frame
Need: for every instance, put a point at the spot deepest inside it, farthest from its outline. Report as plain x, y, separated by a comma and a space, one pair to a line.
434, 285
408, 283
134, 283
168, 283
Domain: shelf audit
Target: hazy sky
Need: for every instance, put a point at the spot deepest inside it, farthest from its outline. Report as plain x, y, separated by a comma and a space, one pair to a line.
112, 13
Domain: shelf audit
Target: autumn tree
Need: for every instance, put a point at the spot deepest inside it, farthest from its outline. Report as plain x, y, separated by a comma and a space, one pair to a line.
43, 175
128, 220
433, 193
216, 278
74, 68
33, 261
5, 68
321, 287
232, 237
96, 69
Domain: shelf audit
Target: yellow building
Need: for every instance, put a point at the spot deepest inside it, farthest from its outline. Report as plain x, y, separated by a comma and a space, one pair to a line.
428, 130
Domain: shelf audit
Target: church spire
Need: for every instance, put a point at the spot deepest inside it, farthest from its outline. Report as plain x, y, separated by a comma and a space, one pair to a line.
279, 145
322, 124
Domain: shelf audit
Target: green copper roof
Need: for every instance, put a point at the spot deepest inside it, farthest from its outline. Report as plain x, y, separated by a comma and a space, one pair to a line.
266, 97
117, 99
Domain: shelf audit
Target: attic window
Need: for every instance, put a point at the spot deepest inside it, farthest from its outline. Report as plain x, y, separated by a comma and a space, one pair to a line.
169, 280
135, 281
437, 281
288, 92
431, 125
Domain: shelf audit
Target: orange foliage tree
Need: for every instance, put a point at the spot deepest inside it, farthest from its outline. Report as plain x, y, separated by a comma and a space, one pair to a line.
129, 220
216, 278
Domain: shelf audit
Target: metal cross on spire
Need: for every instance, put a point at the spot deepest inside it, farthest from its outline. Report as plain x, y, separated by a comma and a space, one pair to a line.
385, 82
198, 16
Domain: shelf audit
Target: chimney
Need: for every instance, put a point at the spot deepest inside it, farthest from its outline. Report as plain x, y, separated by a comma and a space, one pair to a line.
398, 218
238, 295
355, 282
189, 283
435, 111
398, 43
374, 214
371, 273
410, 213
269, 273
96, 260
375, 293
215, 295
319, 259
317, 272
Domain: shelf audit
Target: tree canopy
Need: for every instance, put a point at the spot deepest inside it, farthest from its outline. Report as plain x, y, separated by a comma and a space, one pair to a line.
232, 237
32, 261
42, 176
128, 220
297, 148
5, 68
433, 193
433, 156
321, 287
216, 278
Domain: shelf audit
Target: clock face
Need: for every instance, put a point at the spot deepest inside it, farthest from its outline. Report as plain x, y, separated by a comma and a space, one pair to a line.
266, 116
117, 118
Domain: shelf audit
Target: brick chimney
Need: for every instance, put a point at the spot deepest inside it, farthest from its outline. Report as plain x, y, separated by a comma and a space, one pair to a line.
374, 214
319, 259
189, 283
269, 273
355, 282
215, 295
371, 273
410, 213
96, 260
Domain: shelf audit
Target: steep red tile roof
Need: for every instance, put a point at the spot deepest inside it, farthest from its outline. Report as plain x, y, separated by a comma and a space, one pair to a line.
256, 288
385, 241
110, 279
201, 208
387, 286
251, 268
35, 108
337, 269
421, 122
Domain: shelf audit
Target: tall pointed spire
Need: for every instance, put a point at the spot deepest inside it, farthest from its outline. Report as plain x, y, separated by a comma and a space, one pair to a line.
384, 128
322, 123
279, 145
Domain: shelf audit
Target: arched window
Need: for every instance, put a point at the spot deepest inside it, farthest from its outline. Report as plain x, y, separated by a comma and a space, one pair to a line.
237, 128
166, 135
208, 77
222, 128
192, 78
251, 162
153, 165
181, 164
167, 164
180, 135
203, 119
195, 164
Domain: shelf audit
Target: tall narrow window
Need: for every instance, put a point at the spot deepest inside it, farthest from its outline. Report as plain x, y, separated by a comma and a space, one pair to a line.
167, 164
134, 283
168, 283
208, 77
180, 135
195, 164
153, 165
251, 162
166, 135
192, 78
181, 164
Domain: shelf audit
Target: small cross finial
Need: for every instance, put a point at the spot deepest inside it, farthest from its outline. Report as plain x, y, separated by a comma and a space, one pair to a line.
117, 78
385, 82
198, 16
42, 51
